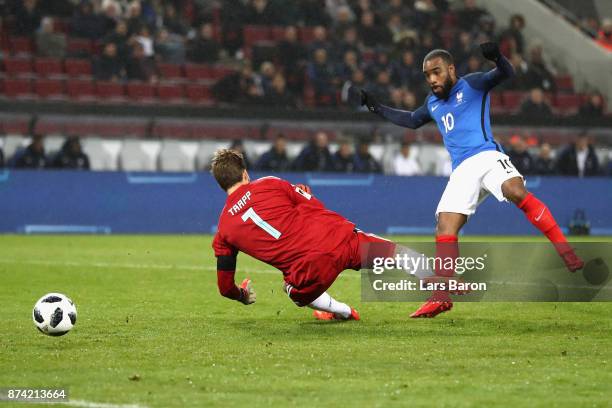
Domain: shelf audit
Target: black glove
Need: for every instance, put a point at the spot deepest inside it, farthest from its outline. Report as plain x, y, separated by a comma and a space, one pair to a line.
370, 102
490, 51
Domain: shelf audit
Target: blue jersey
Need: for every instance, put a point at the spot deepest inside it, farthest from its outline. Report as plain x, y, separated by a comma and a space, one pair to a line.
463, 118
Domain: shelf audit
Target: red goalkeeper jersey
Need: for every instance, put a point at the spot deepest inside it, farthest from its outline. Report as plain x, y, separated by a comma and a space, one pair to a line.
278, 223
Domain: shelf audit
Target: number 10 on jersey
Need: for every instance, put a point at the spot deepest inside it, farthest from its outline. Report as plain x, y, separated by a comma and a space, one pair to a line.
449, 122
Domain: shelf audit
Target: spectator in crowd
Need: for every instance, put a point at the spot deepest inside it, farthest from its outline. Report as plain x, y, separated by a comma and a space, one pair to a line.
204, 48
536, 106
469, 14
372, 34
292, 56
169, 47
544, 164
349, 64
343, 20
395, 98
1, 158
519, 156
237, 86
315, 156
403, 164
276, 158
463, 46
108, 66
579, 159
472, 64
539, 74
48, 42
27, 17
140, 67
71, 156
344, 159
405, 72
119, 37
604, 36
262, 12
380, 63
277, 94
319, 41
173, 22
321, 75
511, 40
398, 8
135, 20
593, 107
348, 42
238, 146
33, 157
267, 71
313, 13
364, 161
380, 88
521, 79
145, 39
87, 24
409, 101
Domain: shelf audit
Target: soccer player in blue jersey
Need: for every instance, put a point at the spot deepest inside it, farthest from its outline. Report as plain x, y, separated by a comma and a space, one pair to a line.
460, 108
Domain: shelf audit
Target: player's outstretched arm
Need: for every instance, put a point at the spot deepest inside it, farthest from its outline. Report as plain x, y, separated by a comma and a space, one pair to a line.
226, 267
503, 69
412, 120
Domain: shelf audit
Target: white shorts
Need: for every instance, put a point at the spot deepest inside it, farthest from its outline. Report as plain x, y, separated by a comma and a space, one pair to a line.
474, 179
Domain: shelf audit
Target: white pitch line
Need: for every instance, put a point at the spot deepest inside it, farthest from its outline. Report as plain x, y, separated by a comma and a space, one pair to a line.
91, 404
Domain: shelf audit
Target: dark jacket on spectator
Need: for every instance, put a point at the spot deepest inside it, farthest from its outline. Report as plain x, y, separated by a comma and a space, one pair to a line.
71, 158
344, 164
568, 163
533, 110
202, 50
522, 161
26, 21
366, 164
1, 158
312, 158
106, 68
31, 159
273, 161
544, 167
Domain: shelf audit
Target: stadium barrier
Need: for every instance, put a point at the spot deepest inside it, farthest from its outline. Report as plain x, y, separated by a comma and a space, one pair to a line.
142, 203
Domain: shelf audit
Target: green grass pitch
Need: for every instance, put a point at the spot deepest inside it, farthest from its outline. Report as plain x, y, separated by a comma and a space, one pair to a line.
152, 330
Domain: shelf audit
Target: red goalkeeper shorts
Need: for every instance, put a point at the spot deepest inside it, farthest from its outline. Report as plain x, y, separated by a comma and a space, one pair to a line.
312, 275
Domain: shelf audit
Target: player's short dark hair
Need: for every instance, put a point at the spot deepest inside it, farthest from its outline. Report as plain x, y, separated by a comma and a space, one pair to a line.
439, 53
227, 167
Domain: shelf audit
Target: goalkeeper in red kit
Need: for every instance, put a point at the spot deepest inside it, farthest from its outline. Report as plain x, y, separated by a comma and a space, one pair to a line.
285, 226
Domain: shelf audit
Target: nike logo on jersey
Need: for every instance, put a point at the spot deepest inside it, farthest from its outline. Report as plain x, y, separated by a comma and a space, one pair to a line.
540, 216
433, 108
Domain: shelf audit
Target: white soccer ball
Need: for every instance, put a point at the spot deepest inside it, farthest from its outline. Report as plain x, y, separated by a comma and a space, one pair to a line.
54, 314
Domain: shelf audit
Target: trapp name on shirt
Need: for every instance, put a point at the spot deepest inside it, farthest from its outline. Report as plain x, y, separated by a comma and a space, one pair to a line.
240, 203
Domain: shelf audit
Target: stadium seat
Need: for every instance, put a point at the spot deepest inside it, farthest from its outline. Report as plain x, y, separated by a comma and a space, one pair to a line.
254, 34
19, 88
171, 128
198, 93
23, 46
79, 47
564, 83
18, 67
110, 91
81, 89
171, 93
51, 124
139, 155
171, 72
49, 68
11, 123
567, 104
121, 127
306, 34
277, 33
513, 100
50, 88
141, 92
53, 144
78, 67
198, 72
178, 156
103, 154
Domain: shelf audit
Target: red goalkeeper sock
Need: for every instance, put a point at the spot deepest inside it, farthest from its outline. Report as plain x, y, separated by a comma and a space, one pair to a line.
447, 246
540, 216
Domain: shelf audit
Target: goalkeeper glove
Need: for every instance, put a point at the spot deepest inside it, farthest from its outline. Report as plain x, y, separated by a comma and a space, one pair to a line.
490, 51
247, 294
370, 102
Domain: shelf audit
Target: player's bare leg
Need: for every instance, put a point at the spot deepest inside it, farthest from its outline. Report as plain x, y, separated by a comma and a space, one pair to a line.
540, 216
447, 229
327, 308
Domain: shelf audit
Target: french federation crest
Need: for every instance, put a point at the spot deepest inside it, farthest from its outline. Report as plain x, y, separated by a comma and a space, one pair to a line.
459, 97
